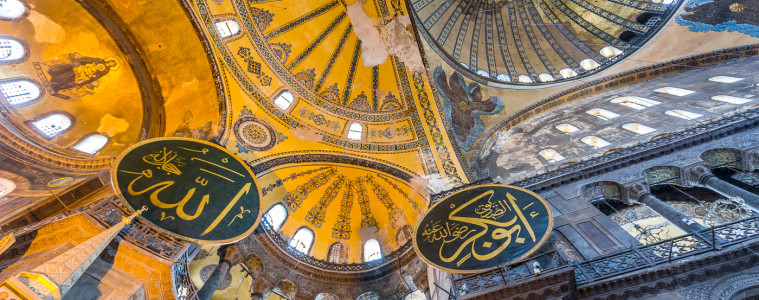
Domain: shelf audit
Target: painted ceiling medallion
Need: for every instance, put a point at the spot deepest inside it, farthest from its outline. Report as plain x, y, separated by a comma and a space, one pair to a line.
254, 135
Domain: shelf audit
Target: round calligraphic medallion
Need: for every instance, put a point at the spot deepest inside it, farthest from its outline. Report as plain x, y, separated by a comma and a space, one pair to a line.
482, 227
194, 190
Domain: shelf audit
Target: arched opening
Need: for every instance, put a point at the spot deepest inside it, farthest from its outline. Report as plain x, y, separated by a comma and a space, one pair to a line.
503, 77
638, 128
11, 50
326, 296
227, 28
595, 142
276, 216
372, 250
545, 77
11, 9
368, 296
634, 102
589, 64
567, 128
355, 131
628, 37
525, 79
6, 187
337, 253
648, 19
303, 240
284, 100
610, 52
551, 155
91, 144
52, 125
567, 73
483, 73
602, 114
20, 92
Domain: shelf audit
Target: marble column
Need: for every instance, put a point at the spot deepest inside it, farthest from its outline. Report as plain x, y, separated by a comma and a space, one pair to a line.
230, 256
700, 175
640, 193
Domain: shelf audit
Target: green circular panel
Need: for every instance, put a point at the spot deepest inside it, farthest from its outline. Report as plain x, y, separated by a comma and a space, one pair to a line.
192, 189
482, 227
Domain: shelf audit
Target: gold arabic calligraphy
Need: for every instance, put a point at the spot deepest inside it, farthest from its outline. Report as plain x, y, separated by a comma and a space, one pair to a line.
482, 232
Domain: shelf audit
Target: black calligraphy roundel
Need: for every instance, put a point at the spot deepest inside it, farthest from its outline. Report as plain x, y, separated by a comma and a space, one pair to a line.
482, 227
192, 189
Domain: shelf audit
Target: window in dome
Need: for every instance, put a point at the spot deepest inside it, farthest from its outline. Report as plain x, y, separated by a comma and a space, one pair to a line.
368, 296
674, 91
503, 77
551, 155
638, 128
663, 1
610, 52
372, 250
284, 100
483, 73
524, 79
227, 27
11, 9
589, 64
355, 131
567, 73
567, 128
337, 253
464, 65
725, 79
19, 92
731, 99
11, 50
326, 296
303, 240
595, 141
545, 77
52, 125
276, 216
635, 102
92, 144
602, 113
683, 114
6, 187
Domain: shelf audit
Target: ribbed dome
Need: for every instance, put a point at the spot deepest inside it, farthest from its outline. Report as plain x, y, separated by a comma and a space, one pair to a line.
537, 42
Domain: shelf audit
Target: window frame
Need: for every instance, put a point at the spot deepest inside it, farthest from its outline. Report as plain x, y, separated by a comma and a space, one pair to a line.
308, 247
232, 35
8, 104
30, 124
289, 106
27, 10
340, 257
83, 138
364, 252
23, 58
349, 130
287, 214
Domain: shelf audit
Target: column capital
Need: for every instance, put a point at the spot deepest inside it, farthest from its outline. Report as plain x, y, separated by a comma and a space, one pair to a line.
634, 191
695, 175
233, 254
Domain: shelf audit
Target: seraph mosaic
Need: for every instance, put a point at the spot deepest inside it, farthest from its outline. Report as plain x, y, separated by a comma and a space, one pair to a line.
721, 15
463, 105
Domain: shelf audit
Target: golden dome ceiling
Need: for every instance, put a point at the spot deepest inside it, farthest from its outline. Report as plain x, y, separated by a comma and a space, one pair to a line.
537, 42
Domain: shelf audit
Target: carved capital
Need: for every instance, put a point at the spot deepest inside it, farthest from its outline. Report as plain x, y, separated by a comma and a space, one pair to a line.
636, 190
695, 175
233, 255
750, 160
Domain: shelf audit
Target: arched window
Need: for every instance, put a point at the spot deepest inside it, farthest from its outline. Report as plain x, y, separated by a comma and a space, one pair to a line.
725, 79
524, 79
551, 155
683, 114
567, 128
276, 216
11, 9
602, 113
674, 91
303, 240
635, 102
52, 125
589, 64
227, 27
595, 141
503, 77
483, 73
464, 65
648, 18
92, 143
545, 77
326, 296
355, 131
628, 36
11, 50
372, 250
6, 187
403, 235
337, 253
638, 128
731, 99
284, 100
567, 73
368, 296
610, 52
19, 92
